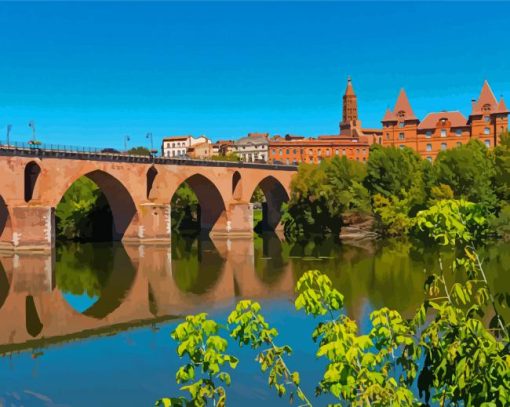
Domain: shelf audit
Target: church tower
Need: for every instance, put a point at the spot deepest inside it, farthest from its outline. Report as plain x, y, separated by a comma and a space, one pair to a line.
350, 110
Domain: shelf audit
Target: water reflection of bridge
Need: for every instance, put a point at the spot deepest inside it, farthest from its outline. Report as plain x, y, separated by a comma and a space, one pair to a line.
144, 287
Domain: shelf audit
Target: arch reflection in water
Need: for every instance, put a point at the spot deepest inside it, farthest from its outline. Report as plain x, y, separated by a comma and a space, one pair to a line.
196, 263
94, 278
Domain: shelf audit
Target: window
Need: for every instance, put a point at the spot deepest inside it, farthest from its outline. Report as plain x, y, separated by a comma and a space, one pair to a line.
287, 151
327, 152
487, 119
443, 132
343, 151
487, 143
429, 147
274, 150
294, 151
173, 144
487, 130
443, 146
458, 132
401, 136
387, 136
336, 151
428, 134
401, 124
280, 151
319, 152
459, 143
287, 161
310, 151
429, 158
401, 146
364, 151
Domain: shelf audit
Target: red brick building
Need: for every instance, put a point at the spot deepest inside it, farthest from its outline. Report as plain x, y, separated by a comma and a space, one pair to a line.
443, 130
352, 141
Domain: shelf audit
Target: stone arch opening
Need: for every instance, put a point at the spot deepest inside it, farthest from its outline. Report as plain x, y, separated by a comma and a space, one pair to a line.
5, 222
96, 207
4, 285
94, 279
268, 197
236, 186
32, 172
199, 195
152, 172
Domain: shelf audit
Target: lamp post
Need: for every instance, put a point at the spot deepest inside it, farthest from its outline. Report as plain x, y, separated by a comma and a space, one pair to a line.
126, 140
9, 128
148, 136
31, 124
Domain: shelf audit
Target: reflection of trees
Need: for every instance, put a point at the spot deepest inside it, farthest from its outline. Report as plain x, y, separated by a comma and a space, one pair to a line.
196, 265
185, 209
271, 257
102, 271
83, 268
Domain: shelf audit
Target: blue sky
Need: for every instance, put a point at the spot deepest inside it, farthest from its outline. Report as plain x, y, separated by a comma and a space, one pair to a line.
90, 73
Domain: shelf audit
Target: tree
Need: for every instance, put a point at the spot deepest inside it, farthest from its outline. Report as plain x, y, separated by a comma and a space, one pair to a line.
226, 157
185, 208
322, 194
502, 167
469, 170
140, 150
396, 171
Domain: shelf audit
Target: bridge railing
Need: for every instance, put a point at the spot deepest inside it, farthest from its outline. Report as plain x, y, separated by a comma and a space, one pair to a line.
15, 148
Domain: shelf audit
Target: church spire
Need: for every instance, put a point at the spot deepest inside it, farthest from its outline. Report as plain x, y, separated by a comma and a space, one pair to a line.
350, 108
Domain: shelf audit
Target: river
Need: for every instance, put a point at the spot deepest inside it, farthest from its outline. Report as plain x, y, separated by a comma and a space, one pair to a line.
89, 325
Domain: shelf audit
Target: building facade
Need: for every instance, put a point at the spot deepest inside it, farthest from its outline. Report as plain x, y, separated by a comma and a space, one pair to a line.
447, 129
252, 148
352, 141
177, 146
200, 151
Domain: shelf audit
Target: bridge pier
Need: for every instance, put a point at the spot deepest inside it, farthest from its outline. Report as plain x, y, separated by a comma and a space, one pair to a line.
33, 228
154, 224
238, 221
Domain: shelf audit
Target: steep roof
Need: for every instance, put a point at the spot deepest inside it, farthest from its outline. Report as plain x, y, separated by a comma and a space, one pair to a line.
349, 90
486, 98
502, 106
456, 119
389, 116
403, 105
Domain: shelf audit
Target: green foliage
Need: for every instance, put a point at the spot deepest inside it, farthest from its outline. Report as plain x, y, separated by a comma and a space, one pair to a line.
202, 374
249, 327
396, 172
83, 213
321, 195
392, 215
502, 167
140, 150
185, 208
358, 365
227, 157
469, 170
454, 221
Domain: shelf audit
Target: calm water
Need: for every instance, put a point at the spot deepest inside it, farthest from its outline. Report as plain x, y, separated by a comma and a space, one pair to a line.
89, 325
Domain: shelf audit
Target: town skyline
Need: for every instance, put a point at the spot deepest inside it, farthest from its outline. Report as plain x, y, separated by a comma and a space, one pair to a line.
160, 78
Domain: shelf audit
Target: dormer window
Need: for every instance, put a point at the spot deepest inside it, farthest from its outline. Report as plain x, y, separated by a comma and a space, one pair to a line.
486, 107
443, 132
428, 134
401, 114
487, 119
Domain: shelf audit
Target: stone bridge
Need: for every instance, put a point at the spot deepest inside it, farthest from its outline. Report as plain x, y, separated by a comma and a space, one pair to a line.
139, 190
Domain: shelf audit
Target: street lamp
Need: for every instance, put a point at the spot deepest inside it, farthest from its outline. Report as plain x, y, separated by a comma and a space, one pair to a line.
126, 139
9, 128
148, 136
31, 124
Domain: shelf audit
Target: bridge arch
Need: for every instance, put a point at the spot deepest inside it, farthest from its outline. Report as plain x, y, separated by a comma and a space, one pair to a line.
32, 172
5, 222
151, 175
210, 200
119, 199
237, 190
275, 195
